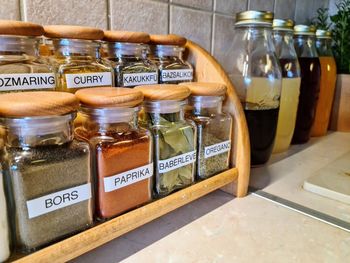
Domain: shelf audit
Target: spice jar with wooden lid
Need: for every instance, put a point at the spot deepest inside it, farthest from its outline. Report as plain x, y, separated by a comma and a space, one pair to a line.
214, 127
21, 68
167, 54
48, 172
174, 138
76, 59
125, 52
122, 150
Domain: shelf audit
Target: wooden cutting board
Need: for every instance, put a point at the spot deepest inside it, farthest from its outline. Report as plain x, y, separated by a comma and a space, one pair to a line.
332, 181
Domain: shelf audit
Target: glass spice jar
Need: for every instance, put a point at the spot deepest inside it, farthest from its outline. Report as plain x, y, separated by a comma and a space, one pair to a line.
283, 40
257, 78
122, 150
21, 68
126, 53
76, 58
167, 54
47, 171
4, 225
174, 138
214, 127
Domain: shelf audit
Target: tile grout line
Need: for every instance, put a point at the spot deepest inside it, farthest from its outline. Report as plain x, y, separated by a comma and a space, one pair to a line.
109, 15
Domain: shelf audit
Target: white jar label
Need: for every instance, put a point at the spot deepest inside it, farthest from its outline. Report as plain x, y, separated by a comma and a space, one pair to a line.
27, 81
134, 79
177, 74
48, 203
216, 149
115, 182
176, 162
87, 80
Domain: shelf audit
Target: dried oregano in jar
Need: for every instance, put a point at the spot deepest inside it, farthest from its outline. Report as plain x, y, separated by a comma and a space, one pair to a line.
47, 171
214, 127
126, 53
21, 68
174, 138
76, 58
167, 55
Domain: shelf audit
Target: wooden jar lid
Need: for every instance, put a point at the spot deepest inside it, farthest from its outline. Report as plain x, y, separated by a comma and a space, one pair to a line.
37, 103
75, 32
171, 39
109, 97
164, 92
205, 88
126, 36
19, 28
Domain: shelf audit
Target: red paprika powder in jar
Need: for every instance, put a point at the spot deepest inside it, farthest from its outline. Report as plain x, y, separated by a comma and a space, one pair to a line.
122, 151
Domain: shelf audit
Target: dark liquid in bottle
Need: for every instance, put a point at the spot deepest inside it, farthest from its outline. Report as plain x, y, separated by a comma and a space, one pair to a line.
310, 69
262, 125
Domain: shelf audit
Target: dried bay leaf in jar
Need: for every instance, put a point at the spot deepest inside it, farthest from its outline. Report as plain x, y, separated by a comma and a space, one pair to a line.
48, 172
126, 52
76, 59
167, 54
174, 138
21, 68
214, 127
122, 149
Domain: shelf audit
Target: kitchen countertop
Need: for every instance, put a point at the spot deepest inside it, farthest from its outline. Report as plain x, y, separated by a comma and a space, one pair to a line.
220, 228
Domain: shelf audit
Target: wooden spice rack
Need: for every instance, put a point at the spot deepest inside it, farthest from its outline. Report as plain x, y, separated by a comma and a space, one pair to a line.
234, 181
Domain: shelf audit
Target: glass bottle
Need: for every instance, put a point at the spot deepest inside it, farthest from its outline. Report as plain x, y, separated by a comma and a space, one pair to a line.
214, 127
283, 40
257, 79
128, 58
122, 150
21, 68
76, 59
174, 138
47, 170
327, 84
167, 53
310, 69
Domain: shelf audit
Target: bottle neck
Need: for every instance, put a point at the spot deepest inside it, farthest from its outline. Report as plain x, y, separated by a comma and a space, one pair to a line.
104, 120
324, 47
76, 48
39, 131
125, 50
162, 51
305, 45
164, 111
206, 105
284, 44
16, 48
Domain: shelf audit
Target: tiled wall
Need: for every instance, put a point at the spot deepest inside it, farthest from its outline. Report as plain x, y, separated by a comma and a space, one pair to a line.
207, 22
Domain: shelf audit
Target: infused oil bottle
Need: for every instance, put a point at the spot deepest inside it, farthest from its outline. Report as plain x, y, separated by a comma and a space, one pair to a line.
310, 69
327, 85
283, 39
257, 79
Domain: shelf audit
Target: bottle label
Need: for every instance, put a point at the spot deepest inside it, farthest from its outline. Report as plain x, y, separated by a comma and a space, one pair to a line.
177, 74
176, 162
117, 181
48, 203
27, 81
217, 148
135, 79
87, 80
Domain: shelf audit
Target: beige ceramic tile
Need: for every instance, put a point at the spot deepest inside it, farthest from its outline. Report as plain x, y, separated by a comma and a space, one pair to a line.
284, 9
73, 12
200, 4
193, 24
139, 15
222, 45
230, 6
9, 9
306, 10
266, 5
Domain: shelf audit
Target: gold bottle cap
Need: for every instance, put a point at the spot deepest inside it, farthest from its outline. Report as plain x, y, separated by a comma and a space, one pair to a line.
304, 30
283, 24
254, 17
320, 33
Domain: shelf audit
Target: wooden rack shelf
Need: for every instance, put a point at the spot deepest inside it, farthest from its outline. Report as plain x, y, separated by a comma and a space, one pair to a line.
234, 181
